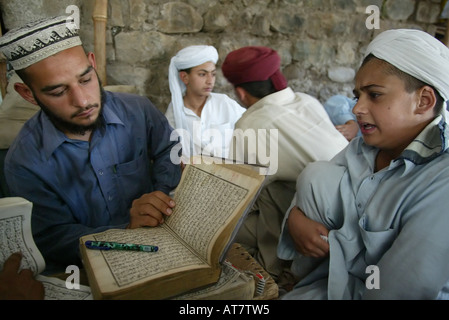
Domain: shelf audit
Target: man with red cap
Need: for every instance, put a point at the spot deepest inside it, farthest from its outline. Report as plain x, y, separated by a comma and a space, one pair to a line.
300, 132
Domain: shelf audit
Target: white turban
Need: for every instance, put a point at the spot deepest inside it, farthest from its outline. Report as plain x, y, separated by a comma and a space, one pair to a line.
186, 58
416, 53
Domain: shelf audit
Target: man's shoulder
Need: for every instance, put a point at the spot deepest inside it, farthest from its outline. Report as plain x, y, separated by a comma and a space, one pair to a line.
125, 97
127, 103
223, 98
223, 102
28, 142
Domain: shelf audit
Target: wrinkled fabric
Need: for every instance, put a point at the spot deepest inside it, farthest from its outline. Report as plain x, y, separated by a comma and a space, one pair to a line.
416, 53
395, 219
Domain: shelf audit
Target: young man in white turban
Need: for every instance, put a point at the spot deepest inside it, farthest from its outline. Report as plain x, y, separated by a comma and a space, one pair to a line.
372, 222
204, 120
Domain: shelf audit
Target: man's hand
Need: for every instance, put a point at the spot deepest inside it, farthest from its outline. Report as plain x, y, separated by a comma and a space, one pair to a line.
15, 285
349, 130
307, 233
150, 210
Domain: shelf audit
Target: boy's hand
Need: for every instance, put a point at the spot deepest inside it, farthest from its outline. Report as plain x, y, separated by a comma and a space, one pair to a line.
307, 234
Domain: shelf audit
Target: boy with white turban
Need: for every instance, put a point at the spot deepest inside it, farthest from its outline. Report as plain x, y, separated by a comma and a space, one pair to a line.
372, 222
204, 120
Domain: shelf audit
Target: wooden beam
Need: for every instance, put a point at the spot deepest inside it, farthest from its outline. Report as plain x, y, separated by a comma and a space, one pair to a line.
3, 80
100, 18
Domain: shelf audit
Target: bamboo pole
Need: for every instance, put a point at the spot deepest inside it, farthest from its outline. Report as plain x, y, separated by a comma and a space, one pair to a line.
446, 34
3, 80
100, 17
446, 23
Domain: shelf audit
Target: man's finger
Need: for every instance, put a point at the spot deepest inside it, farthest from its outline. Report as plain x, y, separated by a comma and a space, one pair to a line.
12, 264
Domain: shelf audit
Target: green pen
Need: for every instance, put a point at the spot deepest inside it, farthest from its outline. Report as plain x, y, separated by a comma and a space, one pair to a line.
109, 245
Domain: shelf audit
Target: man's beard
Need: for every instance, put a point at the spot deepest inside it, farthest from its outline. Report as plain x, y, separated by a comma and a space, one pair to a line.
70, 127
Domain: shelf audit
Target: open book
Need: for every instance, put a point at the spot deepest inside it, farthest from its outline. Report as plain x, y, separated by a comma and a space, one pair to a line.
16, 236
211, 202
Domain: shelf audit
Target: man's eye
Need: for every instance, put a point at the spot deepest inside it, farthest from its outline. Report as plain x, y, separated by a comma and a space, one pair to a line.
86, 80
57, 94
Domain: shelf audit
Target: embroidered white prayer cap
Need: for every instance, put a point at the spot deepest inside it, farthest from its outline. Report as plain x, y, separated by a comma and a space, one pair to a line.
38, 40
416, 53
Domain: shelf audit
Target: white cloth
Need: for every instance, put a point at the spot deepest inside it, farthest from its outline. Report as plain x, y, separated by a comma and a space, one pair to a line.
186, 58
14, 112
416, 53
305, 133
212, 133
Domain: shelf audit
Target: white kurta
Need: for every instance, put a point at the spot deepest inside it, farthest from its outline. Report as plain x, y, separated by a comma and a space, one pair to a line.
304, 132
211, 133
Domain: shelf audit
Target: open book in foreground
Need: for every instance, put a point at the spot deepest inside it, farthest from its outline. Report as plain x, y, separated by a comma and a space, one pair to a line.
16, 236
211, 203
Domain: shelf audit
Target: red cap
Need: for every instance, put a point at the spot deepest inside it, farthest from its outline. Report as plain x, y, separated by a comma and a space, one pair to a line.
249, 64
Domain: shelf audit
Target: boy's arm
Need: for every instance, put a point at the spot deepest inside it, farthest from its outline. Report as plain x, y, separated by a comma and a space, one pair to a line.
307, 234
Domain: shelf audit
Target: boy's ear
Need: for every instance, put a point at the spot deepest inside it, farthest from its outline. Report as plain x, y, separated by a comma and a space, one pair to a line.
427, 99
184, 76
25, 92
240, 93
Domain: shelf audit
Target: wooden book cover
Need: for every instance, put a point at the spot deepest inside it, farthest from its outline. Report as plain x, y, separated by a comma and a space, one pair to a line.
211, 202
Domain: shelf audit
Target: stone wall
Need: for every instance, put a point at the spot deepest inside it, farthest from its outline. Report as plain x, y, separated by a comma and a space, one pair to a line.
321, 42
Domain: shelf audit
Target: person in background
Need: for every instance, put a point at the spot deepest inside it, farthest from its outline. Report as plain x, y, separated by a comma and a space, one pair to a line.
89, 160
204, 119
339, 108
291, 128
372, 222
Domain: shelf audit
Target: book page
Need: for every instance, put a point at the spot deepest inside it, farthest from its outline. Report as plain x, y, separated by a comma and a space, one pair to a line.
128, 267
55, 289
16, 236
205, 202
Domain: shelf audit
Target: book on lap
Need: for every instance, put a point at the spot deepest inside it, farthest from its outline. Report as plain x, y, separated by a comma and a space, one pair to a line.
212, 200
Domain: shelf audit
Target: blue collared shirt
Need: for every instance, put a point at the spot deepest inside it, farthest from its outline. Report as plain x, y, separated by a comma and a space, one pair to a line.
339, 108
395, 219
79, 187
